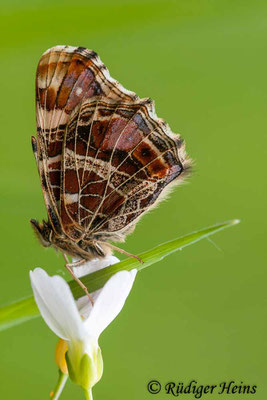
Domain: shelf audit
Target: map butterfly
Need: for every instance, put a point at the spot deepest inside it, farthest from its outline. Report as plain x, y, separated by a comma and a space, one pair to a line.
103, 155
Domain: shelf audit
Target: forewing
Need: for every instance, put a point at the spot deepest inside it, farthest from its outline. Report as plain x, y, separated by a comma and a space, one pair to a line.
118, 158
66, 76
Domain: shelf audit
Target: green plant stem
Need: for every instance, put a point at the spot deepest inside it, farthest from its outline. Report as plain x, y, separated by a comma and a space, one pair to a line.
62, 379
88, 394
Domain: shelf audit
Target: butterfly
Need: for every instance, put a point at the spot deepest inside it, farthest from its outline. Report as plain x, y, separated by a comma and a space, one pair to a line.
103, 156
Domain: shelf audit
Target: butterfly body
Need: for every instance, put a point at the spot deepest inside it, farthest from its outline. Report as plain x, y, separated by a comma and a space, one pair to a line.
85, 248
103, 156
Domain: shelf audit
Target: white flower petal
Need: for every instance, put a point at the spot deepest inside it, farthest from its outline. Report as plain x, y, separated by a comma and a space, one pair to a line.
57, 305
109, 302
94, 265
83, 303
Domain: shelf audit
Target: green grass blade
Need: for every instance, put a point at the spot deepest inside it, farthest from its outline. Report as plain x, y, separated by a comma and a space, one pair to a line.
26, 309
18, 312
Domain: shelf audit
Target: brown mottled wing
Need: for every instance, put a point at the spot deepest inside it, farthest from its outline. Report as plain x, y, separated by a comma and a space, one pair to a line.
118, 158
65, 77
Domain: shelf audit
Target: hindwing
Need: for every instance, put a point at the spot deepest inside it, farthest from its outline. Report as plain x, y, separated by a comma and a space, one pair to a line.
103, 155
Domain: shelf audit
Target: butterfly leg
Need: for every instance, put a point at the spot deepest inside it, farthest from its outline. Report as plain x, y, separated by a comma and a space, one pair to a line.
123, 251
69, 268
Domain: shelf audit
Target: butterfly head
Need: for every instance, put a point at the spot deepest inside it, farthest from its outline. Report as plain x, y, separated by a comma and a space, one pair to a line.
43, 232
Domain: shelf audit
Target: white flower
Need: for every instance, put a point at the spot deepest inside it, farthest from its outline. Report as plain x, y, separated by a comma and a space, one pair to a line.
80, 324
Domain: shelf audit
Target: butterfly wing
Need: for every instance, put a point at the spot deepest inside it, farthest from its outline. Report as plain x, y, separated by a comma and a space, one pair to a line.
118, 159
65, 77
104, 157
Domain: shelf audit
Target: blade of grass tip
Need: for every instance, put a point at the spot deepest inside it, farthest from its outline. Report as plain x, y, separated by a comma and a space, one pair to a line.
26, 309
97, 279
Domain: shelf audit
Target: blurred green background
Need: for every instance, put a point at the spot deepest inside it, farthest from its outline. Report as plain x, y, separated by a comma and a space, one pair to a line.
201, 313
